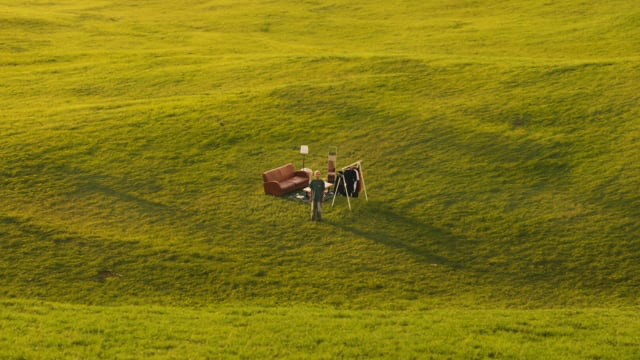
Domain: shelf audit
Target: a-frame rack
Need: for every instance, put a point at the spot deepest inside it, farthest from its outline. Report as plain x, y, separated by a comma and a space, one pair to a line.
356, 165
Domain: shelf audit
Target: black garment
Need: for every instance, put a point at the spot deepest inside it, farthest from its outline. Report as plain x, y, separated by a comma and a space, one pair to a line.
340, 184
352, 182
349, 183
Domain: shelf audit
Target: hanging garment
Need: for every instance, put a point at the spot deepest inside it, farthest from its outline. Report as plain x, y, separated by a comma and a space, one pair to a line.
351, 178
348, 183
341, 186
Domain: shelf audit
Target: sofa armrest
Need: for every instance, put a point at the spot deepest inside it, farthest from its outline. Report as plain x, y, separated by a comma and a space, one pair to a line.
273, 188
301, 173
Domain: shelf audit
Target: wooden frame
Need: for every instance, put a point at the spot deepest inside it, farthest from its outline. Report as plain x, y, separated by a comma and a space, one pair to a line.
358, 165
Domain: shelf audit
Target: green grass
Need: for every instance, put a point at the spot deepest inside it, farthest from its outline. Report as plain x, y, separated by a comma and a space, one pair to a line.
48, 330
499, 142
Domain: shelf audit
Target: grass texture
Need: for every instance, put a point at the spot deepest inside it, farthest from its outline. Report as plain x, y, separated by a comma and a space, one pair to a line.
499, 142
51, 331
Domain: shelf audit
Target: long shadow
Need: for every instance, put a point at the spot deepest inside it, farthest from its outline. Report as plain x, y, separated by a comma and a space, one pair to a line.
91, 183
58, 264
94, 186
424, 241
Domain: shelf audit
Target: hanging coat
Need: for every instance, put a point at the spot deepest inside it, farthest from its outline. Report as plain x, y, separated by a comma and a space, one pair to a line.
351, 178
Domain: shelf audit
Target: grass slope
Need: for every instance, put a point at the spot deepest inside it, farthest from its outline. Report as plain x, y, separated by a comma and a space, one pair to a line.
499, 142
45, 330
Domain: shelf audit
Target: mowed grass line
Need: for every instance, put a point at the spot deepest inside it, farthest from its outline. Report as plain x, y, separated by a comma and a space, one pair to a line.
47, 330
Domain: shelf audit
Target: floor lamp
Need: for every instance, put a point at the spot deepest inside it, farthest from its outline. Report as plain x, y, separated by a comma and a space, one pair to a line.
304, 150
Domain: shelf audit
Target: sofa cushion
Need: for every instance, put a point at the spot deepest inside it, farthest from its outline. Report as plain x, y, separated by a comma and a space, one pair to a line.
271, 175
298, 180
278, 174
287, 185
286, 171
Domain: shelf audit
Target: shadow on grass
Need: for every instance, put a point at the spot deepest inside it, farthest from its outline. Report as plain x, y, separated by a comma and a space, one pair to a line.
422, 240
87, 183
93, 186
49, 262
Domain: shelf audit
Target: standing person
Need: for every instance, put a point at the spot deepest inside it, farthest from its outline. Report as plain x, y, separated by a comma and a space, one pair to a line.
317, 197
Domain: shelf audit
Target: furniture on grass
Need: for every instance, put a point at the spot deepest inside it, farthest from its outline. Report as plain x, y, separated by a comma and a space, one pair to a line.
304, 150
308, 171
284, 180
331, 171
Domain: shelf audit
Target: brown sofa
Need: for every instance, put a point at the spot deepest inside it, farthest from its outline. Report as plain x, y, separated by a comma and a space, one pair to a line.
284, 180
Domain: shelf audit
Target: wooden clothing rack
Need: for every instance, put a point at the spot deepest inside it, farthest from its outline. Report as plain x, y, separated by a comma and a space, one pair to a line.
355, 165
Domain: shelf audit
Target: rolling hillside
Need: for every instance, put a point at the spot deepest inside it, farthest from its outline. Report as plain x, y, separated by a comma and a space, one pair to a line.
499, 142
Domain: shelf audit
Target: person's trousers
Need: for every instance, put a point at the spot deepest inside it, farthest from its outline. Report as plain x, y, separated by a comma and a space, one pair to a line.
316, 210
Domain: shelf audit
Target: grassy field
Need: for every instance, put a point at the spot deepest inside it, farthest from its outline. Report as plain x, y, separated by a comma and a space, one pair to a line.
46, 330
499, 142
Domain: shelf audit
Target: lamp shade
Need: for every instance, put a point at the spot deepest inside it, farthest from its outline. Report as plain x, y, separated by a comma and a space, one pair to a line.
304, 149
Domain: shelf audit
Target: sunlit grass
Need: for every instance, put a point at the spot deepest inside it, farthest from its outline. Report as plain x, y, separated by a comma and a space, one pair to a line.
49, 330
499, 142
